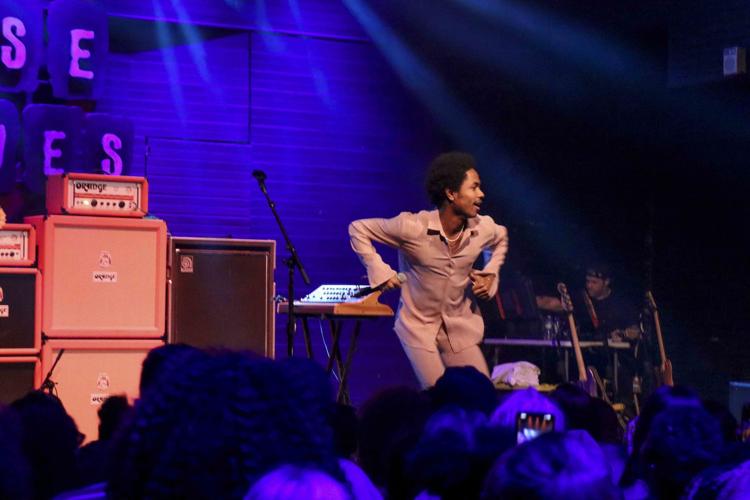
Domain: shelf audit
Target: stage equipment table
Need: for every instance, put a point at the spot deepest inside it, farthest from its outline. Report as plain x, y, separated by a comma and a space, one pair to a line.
336, 314
567, 346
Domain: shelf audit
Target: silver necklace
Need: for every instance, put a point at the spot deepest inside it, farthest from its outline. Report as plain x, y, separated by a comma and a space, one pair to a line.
458, 236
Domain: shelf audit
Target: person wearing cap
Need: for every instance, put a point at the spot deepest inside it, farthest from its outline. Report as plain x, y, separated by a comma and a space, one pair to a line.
604, 314
610, 315
438, 322
615, 319
600, 311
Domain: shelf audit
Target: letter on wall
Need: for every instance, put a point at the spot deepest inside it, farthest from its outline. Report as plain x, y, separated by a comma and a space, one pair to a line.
77, 48
21, 44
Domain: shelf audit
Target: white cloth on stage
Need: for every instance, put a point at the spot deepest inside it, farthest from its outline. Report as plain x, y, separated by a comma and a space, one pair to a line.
520, 373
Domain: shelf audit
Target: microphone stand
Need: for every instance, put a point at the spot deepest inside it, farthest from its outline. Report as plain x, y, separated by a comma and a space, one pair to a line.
291, 262
48, 385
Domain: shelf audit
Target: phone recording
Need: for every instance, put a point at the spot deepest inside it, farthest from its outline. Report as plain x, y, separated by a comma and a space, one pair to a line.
531, 425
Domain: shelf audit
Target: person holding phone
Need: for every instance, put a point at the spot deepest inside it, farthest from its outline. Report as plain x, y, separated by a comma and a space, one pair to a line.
438, 321
530, 425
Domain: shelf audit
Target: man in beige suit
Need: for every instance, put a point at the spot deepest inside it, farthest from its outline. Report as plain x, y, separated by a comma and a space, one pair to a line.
438, 321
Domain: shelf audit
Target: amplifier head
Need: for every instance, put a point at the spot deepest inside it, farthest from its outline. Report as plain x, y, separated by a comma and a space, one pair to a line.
97, 194
17, 245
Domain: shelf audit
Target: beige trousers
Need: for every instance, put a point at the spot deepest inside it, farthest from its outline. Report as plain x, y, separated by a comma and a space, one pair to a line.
430, 365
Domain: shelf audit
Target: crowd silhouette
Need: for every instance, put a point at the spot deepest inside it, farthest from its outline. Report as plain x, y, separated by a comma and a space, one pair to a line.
223, 424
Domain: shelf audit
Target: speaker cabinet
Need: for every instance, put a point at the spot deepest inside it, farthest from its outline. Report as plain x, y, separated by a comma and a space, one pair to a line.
18, 375
221, 293
20, 311
89, 371
103, 277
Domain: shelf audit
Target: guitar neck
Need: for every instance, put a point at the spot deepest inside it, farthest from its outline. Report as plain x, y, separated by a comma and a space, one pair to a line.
576, 347
660, 338
657, 326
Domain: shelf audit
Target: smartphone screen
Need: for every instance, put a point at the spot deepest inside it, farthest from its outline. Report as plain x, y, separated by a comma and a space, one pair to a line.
531, 425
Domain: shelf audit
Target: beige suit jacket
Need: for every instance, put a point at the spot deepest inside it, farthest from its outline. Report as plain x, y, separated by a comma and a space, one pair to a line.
437, 290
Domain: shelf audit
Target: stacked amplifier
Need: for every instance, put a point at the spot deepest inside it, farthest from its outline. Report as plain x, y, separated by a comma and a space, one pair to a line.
103, 289
20, 312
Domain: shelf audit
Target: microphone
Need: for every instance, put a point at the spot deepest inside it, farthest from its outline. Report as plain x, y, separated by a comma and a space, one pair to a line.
370, 289
260, 175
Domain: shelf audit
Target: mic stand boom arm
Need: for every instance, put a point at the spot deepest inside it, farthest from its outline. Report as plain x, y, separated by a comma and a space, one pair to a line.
48, 385
291, 262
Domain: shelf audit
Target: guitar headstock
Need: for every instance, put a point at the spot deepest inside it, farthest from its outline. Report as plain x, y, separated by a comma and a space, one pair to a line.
650, 301
567, 303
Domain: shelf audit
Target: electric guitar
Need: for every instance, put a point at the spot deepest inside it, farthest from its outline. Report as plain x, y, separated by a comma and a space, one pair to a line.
664, 371
586, 378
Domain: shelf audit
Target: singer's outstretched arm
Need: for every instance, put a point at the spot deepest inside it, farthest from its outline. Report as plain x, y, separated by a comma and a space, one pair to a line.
392, 232
498, 247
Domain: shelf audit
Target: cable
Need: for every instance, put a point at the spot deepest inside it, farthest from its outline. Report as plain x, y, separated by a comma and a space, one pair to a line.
328, 353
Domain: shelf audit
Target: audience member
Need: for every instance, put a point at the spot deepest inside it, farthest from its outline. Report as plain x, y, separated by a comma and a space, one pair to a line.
391, 424
682, 441
215, 425
164, 360
555, 465
308, 388
454, 454
464, 387
726, 482
15, 471
529, 401
49, 440
575, 404
290, 482
661, 399
93, 458
593, 415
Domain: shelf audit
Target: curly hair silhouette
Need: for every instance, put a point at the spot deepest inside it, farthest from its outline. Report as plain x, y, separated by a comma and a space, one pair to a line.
215, 424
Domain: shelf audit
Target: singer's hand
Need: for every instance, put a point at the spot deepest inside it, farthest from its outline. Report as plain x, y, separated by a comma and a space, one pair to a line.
481, 284
392, 283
